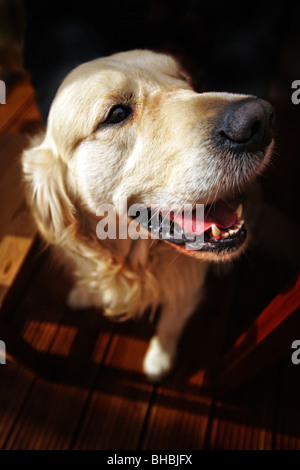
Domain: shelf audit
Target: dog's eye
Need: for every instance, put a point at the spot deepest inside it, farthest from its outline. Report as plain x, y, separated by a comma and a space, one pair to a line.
183, 77
118, 114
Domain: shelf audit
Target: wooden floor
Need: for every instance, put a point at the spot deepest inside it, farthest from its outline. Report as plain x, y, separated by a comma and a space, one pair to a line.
85, 388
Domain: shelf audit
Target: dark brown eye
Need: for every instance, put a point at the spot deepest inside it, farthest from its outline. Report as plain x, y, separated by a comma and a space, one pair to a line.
183, 77
118, 114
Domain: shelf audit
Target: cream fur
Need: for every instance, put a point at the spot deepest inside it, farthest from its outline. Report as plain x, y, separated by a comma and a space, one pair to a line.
162, 155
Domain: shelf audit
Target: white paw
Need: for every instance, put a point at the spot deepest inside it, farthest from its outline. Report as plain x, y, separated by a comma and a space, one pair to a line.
157, 362
79, 297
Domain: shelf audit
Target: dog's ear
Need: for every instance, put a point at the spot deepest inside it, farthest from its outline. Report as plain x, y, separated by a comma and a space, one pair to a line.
44, 174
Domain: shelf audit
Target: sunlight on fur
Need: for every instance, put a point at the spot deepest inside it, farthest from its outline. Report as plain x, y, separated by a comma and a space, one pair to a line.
131, 126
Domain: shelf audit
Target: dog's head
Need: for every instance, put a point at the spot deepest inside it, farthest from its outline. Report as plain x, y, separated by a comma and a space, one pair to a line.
130, 126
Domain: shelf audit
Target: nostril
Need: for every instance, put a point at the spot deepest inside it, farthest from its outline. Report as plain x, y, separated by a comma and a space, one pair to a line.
256, 126
241, 134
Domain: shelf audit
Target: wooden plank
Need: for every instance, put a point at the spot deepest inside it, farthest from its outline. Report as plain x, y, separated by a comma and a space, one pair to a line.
14, 250
245, 420
17, 316
38, 426
287, 432
119, 404
66, 344
16, 391
18, 103
52, 411
177, 421
29, 122
15, 385
113, 421
16, 235
12, 253
17, 229
263, 342
11, 148
12, 194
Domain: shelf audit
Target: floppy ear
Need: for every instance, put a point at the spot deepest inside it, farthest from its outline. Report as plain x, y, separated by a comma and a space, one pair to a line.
44, 175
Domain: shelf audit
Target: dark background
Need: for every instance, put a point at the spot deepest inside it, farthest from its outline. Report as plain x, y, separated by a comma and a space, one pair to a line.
227, 46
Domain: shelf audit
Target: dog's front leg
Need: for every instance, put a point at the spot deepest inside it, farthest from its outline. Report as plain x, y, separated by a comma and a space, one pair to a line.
161, 353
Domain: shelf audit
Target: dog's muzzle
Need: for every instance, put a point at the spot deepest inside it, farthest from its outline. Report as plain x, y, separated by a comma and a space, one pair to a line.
241, 137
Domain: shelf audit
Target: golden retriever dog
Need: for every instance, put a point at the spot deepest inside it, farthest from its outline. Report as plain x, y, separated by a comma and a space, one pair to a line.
129, 127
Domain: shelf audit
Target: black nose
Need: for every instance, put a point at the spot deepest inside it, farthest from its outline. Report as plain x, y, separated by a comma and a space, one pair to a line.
246, 124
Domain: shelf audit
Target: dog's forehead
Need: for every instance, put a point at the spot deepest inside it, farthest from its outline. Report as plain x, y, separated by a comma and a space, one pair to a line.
110, 73
93, 85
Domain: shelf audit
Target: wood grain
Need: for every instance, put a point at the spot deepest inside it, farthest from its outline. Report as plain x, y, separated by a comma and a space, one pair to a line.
254, 349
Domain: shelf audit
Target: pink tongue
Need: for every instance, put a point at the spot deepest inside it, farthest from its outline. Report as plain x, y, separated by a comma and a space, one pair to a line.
218, 213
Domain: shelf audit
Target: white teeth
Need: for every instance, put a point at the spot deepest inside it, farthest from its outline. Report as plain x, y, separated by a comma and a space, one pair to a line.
239, 211
215, 231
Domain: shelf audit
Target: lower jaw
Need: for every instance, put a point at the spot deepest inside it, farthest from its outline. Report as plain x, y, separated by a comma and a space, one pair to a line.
212, 249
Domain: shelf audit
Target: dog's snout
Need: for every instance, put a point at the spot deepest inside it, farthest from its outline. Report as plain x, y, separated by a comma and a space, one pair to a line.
246, 124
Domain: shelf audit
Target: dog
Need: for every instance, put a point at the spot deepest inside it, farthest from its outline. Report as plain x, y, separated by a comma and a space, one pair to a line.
130, 127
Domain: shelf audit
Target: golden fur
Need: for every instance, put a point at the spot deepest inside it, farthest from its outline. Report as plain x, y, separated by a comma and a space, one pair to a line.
161, 155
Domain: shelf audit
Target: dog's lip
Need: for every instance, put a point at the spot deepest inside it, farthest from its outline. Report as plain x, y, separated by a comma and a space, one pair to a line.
220, 246
219, 236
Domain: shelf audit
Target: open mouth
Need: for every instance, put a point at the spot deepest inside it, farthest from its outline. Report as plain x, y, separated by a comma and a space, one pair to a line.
220, 231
